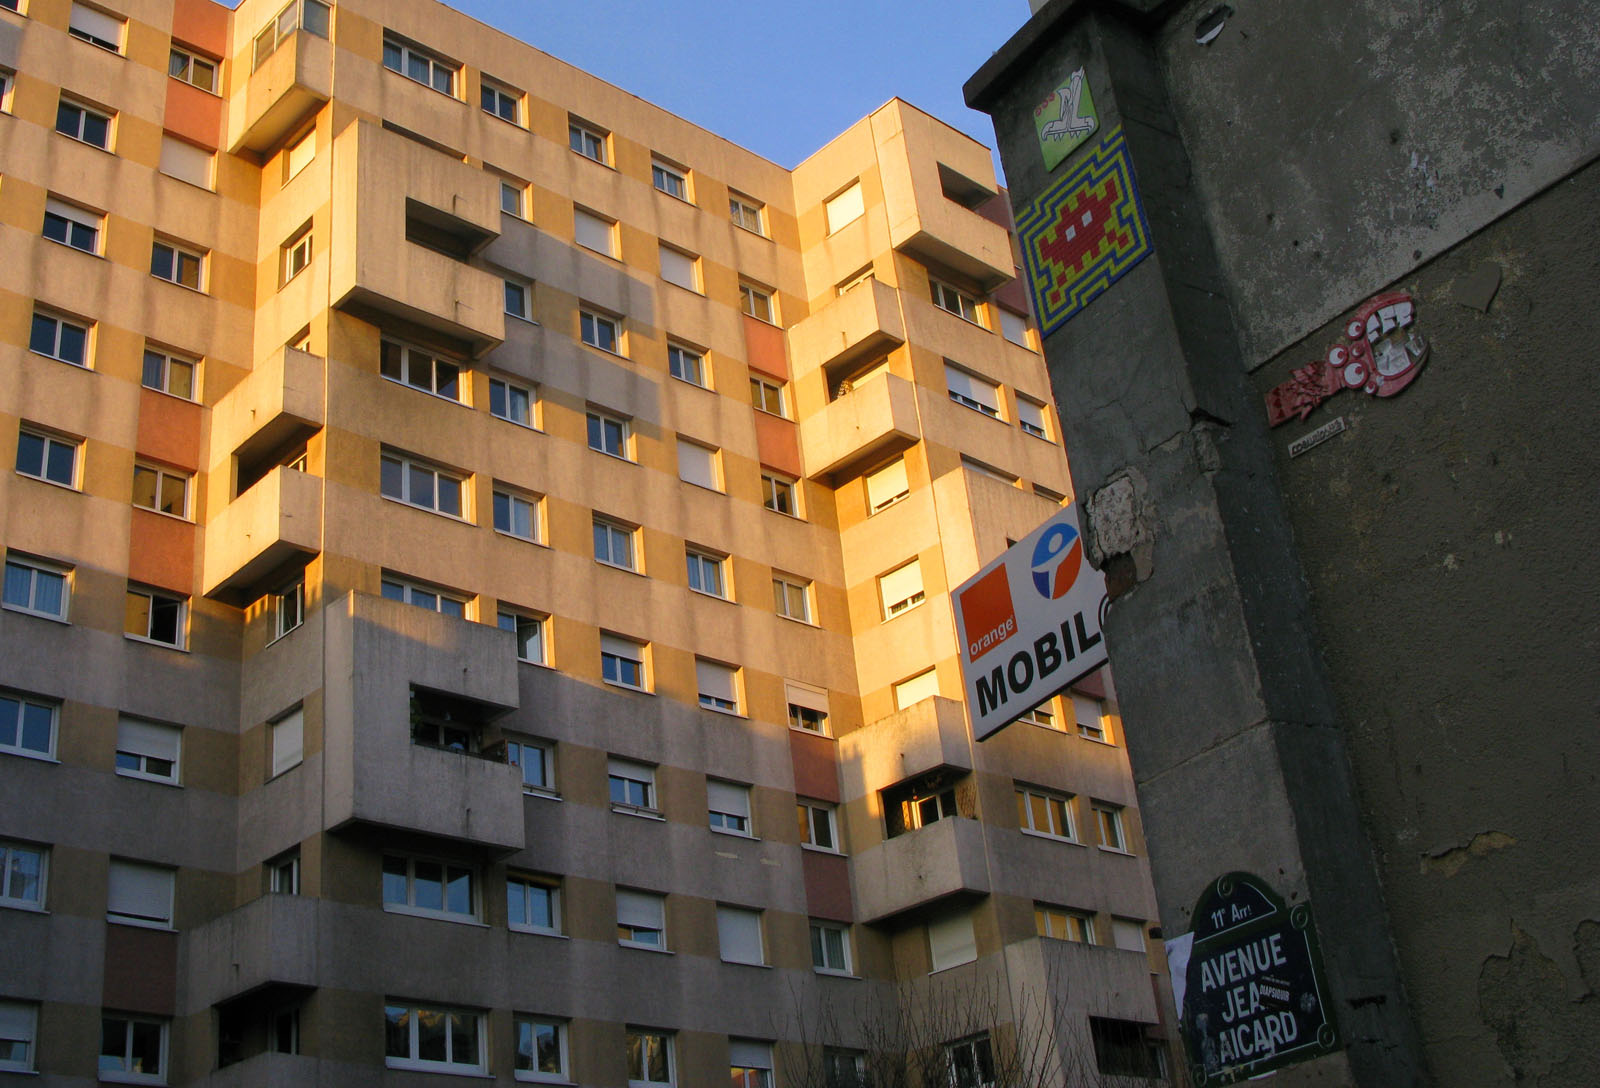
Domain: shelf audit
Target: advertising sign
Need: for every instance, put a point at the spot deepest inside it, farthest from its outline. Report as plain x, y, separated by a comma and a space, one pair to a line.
1029, 624
1248, 984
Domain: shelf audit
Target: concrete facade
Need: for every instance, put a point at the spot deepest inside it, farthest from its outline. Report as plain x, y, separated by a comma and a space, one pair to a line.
1319, 651
536, 499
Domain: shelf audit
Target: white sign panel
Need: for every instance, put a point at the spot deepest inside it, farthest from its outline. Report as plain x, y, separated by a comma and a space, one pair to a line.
1029, 624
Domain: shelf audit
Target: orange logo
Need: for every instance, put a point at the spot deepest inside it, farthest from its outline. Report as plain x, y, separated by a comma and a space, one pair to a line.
987, 613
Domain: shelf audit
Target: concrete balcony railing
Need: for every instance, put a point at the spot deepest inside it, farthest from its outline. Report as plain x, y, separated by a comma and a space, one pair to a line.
377, 651
263, 530
863, 322
919, 867
925, 736
275, 1071
869, 423
283, 397
270, 941
287, 88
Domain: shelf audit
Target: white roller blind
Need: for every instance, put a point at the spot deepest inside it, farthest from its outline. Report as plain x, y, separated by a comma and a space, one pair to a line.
1014, 327
739, 933
592, 231
301, 154
1086, 711
639, 909
901, 584
697, 464
808, 697
678, 268
727, 797
1128, 935
1030, 413
844, 208
744, 1054
950, 941
916, 689
621, 647
147, 739
69, 212
288, 742
972, 387
16, 1021
140, 891
96, 24
185, 162
715, 680
887, 484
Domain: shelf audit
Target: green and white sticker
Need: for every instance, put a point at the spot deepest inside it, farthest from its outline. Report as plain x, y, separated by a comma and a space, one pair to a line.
1065, 119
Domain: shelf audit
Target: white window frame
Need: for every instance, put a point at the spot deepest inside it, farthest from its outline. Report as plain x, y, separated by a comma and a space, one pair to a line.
758, 302
1031, 417
593, 328
680, 268
699, 464
495, 97
558, 1075
90, 24
786, 590
127, 1076
768, 396
288, 608
951, 941
505, 396
48, 443
407, 591
717, 685
423, 370
624, 652
728, 808
594, 232
292, 17
153, 596
778, 491
688, 364
709, 569
640, 913
288, 741
300, 154
590, 141
844, 207
17, 726
810, 816
1055, 804
913, 685
965, 388
968, 1047
399, 488
19, 1024
812, 705
413, 1013
188, 66
1075, 925
1127, 934
297, 253
747, 213
85, 113
670, 178
1044, 715
517, 753
178, 254
32, 569
187, 163
68, 216
283, 873
619, 543
60, 321
162, 477
519, 299
734, 931
1014, 327
820, 948
664, 1040
628, 773
527, 630
597, 422
953, 300
143, 746
886, 486
749, 1063
1109, 825
473, 913
10, 852
510, 503
520, 886
517, 190
407, 56
896, 599
1089, 715
164, 363
153, 877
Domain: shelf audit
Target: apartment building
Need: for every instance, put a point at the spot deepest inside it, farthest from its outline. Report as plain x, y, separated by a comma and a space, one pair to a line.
476, 586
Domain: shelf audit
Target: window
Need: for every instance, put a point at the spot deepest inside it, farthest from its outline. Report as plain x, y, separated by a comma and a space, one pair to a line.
706, 573
1108, 819
516, 515
541, 1049
435, 889
632, 785
133, 1049
601, 331
96, 27
641, 920
298, 155
445, 722
610, 434
501, 101
746, 212
680, 268
538, 762
749, 1063
529, 633
312, 16
83, 123
687, 365
283, 873
288, 741
22, 878
767, 396
27, 725
1122, 1050
419, 484
587, 141
176, 264
1128, 934
288, 608
1041, 812
519, 299
757, 302
956, 301
8, 78
148, 750
778, 494
513, 198
186, 162
739, 935
594, 232
697, 465
511, 402
1030, 417
808, 708
37, 588
1063, 923
139, 895
72, 226
1090, 716
718, 685
533, 904
1014, 327
1044, 714
19, 1024
419, 369
917, 803
622, 662
59, 337
844, 208
1000, 474
613, 544
296, 254
650, 1063
418, 64
193, 69
47, 457
429, 597
971, 1062
901, 589
152, 616
791, 598
971, 391
161, 489
669, 179
817, 825
887, 486
728, 807
830, 948
844, 1068
951, 941
430, 1038
166, 372
916, 688
863, 276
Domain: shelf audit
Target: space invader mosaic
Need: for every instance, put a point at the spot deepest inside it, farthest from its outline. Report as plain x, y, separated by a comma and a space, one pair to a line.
1083, 233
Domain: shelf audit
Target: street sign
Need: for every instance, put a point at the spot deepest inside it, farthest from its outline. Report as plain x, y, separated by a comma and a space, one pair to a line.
1029, 624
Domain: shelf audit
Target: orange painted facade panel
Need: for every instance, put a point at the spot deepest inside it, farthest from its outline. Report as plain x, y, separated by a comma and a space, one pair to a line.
193, 115
816, 769
827, 886
169, 430
161, 552
141, 971
764, 348
202, 24
778, 444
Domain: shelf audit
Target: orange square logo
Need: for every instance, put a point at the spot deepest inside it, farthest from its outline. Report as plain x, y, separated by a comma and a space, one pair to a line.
987, 613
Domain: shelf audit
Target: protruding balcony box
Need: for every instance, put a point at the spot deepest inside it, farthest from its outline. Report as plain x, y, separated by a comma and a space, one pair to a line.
386, 189
280, 400
270, 941
919, 867
289, 86
377, 651
271, 1070
264, 529
1111, 982
925, 736
863, 322
870, 422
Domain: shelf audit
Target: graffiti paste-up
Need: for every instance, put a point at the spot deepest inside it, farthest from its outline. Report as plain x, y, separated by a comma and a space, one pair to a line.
1065, 119
1381, 354
1083, 234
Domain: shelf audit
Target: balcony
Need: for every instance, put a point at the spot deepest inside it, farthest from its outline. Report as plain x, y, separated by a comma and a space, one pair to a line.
279, 404
288, 87
272, 941
377, 776
275, 524
406, 219
871, 422
861, 323
935, 862
925, 736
